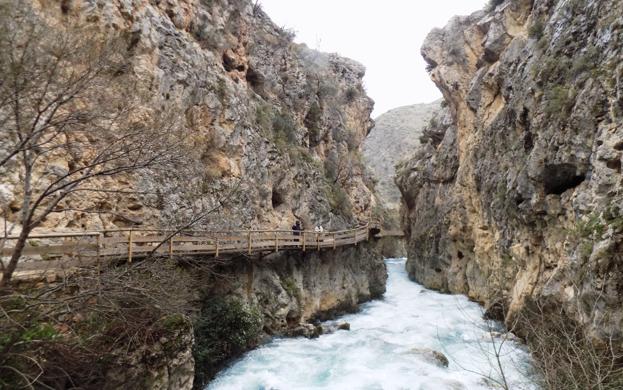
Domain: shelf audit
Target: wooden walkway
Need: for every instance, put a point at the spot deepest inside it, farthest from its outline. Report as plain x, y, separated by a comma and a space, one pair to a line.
61, 251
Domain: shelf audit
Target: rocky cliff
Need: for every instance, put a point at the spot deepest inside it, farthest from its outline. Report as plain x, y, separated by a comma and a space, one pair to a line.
272, 122
270, 132
245, 302
517, 197
395, 136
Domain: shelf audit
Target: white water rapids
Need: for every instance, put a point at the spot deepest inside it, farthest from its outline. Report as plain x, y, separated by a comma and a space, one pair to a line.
384, 348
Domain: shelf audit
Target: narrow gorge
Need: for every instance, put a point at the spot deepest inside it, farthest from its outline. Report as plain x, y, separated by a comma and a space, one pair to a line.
192, 199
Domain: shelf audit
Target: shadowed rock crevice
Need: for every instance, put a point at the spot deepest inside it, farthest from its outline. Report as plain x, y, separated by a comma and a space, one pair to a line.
558, 178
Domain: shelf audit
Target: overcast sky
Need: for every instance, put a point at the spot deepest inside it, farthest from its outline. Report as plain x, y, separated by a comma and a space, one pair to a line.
385, 36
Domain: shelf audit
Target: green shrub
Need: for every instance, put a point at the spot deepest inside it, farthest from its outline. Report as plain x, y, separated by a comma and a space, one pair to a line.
289, 284
313, 122
559, 101
584, 250
225, 328
24, 333
284, 130
174, 322
553, 69
221, 90
264, 118
351, 94
338, 200
536, 30
591, 227
587, 61
301, 154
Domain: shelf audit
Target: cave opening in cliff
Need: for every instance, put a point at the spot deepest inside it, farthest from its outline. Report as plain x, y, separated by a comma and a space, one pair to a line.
253, 78
558, 178
277, 199
614, 165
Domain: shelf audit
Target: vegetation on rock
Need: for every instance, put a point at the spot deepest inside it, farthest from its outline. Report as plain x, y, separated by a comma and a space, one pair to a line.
224, 328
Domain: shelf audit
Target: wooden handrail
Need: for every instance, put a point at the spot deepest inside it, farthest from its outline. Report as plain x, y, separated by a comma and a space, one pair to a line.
165, 231
133, 244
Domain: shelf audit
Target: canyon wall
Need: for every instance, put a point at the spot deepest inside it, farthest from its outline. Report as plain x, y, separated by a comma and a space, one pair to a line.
271, 128
280, 294
270, 133
517, 196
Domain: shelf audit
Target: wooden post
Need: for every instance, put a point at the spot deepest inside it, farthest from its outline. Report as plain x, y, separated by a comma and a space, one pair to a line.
99, 264
356, 237
130, 246
334, 243
276, 243
171, 248
303, 240
216, 254
98, 242
318, 241
249, 240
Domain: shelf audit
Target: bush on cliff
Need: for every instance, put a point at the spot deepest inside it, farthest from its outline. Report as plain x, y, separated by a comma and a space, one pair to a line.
76, 332
225, 328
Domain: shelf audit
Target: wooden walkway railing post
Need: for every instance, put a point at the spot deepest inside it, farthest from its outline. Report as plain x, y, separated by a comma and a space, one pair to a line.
130, 247
276, 243
249, 241
303, 240
216, 249
171, 248
318, 241
98, 243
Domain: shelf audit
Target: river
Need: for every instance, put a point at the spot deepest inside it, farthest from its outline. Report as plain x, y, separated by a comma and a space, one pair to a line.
389, 346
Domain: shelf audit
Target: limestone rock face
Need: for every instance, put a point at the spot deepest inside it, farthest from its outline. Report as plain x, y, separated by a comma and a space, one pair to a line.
395, 136
517, 196
293, 290
270, 124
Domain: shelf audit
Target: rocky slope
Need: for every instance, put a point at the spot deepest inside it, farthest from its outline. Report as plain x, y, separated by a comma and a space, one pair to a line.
517, 197
395, 136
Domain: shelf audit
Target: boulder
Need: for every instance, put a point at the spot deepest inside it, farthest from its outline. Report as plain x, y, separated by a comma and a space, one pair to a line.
430, 355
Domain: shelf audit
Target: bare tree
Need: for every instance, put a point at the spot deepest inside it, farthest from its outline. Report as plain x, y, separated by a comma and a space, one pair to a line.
564, 355
63, 98
340, 167
257, 7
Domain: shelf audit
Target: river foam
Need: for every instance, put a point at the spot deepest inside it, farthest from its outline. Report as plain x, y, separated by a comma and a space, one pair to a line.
388, 347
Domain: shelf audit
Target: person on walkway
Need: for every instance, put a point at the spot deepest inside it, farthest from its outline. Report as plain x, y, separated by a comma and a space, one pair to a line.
319, 236
296, 228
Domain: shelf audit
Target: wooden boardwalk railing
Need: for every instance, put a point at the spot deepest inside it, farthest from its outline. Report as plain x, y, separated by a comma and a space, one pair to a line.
66, 250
